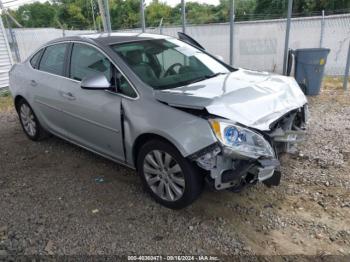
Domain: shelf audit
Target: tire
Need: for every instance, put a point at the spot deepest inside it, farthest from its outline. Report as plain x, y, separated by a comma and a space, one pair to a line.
178, 171
30, 122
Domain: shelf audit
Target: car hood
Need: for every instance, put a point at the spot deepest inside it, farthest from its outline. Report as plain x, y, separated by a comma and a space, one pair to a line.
254, 99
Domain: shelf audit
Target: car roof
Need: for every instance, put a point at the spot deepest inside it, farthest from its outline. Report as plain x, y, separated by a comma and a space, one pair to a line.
111, 38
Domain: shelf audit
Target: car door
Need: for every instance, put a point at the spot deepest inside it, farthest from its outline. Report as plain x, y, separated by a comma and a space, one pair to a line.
92, 117
45, 82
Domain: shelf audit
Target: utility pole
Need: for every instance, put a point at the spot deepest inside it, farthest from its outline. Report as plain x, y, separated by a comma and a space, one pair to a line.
143, 22
104, 11
183, 16
12, 34
286, 41
232, 23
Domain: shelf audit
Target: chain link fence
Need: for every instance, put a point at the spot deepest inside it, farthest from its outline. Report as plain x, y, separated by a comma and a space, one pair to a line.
258, 45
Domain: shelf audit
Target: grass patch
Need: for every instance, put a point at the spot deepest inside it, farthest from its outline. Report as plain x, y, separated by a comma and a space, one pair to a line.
6, 102
5, 93
331, 82
332, 92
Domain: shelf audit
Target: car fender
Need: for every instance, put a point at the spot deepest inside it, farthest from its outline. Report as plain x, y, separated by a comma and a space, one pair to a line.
188, 133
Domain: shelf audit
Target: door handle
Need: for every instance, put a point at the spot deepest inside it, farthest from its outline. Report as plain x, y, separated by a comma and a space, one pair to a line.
69, 96
33, 83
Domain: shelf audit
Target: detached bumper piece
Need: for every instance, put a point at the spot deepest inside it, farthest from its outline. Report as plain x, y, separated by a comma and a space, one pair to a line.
270, 174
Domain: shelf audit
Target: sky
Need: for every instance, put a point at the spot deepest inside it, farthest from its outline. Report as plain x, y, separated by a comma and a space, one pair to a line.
16, 3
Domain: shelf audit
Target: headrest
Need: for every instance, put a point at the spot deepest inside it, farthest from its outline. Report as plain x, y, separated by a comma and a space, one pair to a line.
134, 57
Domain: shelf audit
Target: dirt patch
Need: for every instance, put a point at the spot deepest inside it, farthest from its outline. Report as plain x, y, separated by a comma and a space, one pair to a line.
53, 200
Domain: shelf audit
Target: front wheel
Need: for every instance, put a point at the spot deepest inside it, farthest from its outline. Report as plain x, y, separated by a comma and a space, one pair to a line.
171, 179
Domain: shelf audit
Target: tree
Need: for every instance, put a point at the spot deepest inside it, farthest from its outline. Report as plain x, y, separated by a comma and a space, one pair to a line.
36, 15
77, 14
199, 13
155, 11
125, 13
269, 9
244, 10
74, 14
312, 7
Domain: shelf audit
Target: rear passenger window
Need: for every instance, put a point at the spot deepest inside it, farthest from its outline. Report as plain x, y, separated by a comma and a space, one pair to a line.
35, 59
52, 60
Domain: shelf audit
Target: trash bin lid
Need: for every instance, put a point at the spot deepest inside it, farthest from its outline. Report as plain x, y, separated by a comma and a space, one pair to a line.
311, 56
321, 49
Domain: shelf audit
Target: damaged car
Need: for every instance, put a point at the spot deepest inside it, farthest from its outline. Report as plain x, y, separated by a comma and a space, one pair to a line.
163, 106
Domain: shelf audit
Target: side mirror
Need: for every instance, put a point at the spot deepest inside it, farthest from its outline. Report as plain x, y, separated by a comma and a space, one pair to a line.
95, 82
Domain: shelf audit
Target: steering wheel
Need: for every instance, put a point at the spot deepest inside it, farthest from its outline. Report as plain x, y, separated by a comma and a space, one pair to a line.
171, 69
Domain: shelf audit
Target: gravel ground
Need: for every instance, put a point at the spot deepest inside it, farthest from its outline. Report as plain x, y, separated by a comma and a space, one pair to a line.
51, 203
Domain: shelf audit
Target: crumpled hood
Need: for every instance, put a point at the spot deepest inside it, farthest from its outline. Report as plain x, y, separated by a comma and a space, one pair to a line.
254, 99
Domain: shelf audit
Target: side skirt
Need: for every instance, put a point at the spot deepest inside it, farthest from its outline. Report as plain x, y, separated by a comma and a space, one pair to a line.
118, 161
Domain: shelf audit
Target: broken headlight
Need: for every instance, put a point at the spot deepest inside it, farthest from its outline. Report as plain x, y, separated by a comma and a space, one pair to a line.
241, 141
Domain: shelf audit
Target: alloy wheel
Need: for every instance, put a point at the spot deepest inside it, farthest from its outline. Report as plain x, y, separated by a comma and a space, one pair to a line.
28, 120
164, 175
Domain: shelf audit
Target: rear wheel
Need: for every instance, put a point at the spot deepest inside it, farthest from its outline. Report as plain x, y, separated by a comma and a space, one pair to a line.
171, 179
29, 122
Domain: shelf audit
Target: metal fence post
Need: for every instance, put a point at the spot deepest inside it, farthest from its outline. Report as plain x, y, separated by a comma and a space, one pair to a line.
93, 14
108, 16
2, 27
286, 41
104, 11
12, 34
143, 21
183, 16
161, 26
346, 74
322, 29
14, 43
232, 23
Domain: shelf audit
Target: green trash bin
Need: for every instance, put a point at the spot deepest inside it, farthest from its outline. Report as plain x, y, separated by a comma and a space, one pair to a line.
309, 68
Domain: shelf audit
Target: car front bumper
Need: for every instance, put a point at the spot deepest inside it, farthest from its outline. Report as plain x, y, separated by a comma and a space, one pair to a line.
236, 173
225, 171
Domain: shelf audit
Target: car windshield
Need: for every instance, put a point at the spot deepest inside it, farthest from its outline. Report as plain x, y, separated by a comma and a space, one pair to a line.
169, 63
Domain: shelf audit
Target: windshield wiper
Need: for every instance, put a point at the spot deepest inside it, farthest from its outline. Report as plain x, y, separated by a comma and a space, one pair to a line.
205, 77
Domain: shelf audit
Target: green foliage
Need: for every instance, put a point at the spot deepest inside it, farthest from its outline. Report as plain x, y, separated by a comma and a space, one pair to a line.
156, 11
267, 9
124, 13
36, 15
244, 10
74, 14
6, 101
78, 14
200, 13
5, 92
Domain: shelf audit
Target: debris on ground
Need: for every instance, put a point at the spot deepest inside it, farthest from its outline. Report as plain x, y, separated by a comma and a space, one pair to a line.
47, 200
99, 179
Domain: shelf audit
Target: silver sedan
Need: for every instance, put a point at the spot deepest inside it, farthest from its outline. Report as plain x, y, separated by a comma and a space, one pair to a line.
163, 106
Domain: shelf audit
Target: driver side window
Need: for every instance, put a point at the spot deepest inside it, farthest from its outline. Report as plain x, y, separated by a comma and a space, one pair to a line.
87, 61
